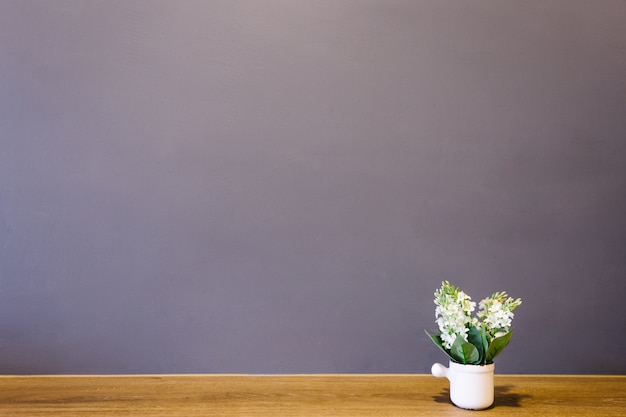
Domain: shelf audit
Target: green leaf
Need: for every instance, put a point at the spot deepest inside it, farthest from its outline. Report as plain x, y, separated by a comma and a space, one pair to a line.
464, 352
475, 337
497, 345
483, 335
437, 341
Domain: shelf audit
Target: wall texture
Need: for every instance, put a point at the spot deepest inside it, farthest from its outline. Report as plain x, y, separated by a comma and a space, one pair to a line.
279, 186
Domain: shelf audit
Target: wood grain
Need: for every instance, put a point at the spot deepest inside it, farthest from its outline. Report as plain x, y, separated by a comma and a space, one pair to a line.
301, 395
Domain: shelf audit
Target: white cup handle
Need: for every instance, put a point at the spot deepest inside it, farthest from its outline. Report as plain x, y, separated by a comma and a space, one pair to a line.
439, 370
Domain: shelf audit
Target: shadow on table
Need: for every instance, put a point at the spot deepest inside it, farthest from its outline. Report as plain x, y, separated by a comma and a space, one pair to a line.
504, 397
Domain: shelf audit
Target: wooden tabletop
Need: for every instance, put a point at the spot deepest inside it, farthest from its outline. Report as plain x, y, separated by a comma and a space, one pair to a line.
302, 395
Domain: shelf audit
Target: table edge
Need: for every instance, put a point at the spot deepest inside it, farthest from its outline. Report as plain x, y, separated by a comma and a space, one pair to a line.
241, 375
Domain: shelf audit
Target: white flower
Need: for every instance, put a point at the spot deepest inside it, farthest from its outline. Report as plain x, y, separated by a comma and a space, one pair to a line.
453, 313
496, 312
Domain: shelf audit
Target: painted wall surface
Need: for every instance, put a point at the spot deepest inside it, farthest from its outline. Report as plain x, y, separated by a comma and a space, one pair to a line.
279, 186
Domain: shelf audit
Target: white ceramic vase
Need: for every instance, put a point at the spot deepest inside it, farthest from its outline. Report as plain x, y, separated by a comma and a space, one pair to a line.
471, 386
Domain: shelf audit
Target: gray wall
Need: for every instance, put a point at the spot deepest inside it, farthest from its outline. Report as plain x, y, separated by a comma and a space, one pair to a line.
279, 186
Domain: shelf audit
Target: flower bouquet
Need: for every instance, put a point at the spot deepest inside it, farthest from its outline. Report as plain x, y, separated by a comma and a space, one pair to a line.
472, 340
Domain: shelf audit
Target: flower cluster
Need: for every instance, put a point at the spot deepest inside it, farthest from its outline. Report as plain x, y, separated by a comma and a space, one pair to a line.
468, 339
496, 313
453, 313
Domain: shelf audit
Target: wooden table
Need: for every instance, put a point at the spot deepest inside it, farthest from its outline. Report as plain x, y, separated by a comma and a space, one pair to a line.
302, 395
